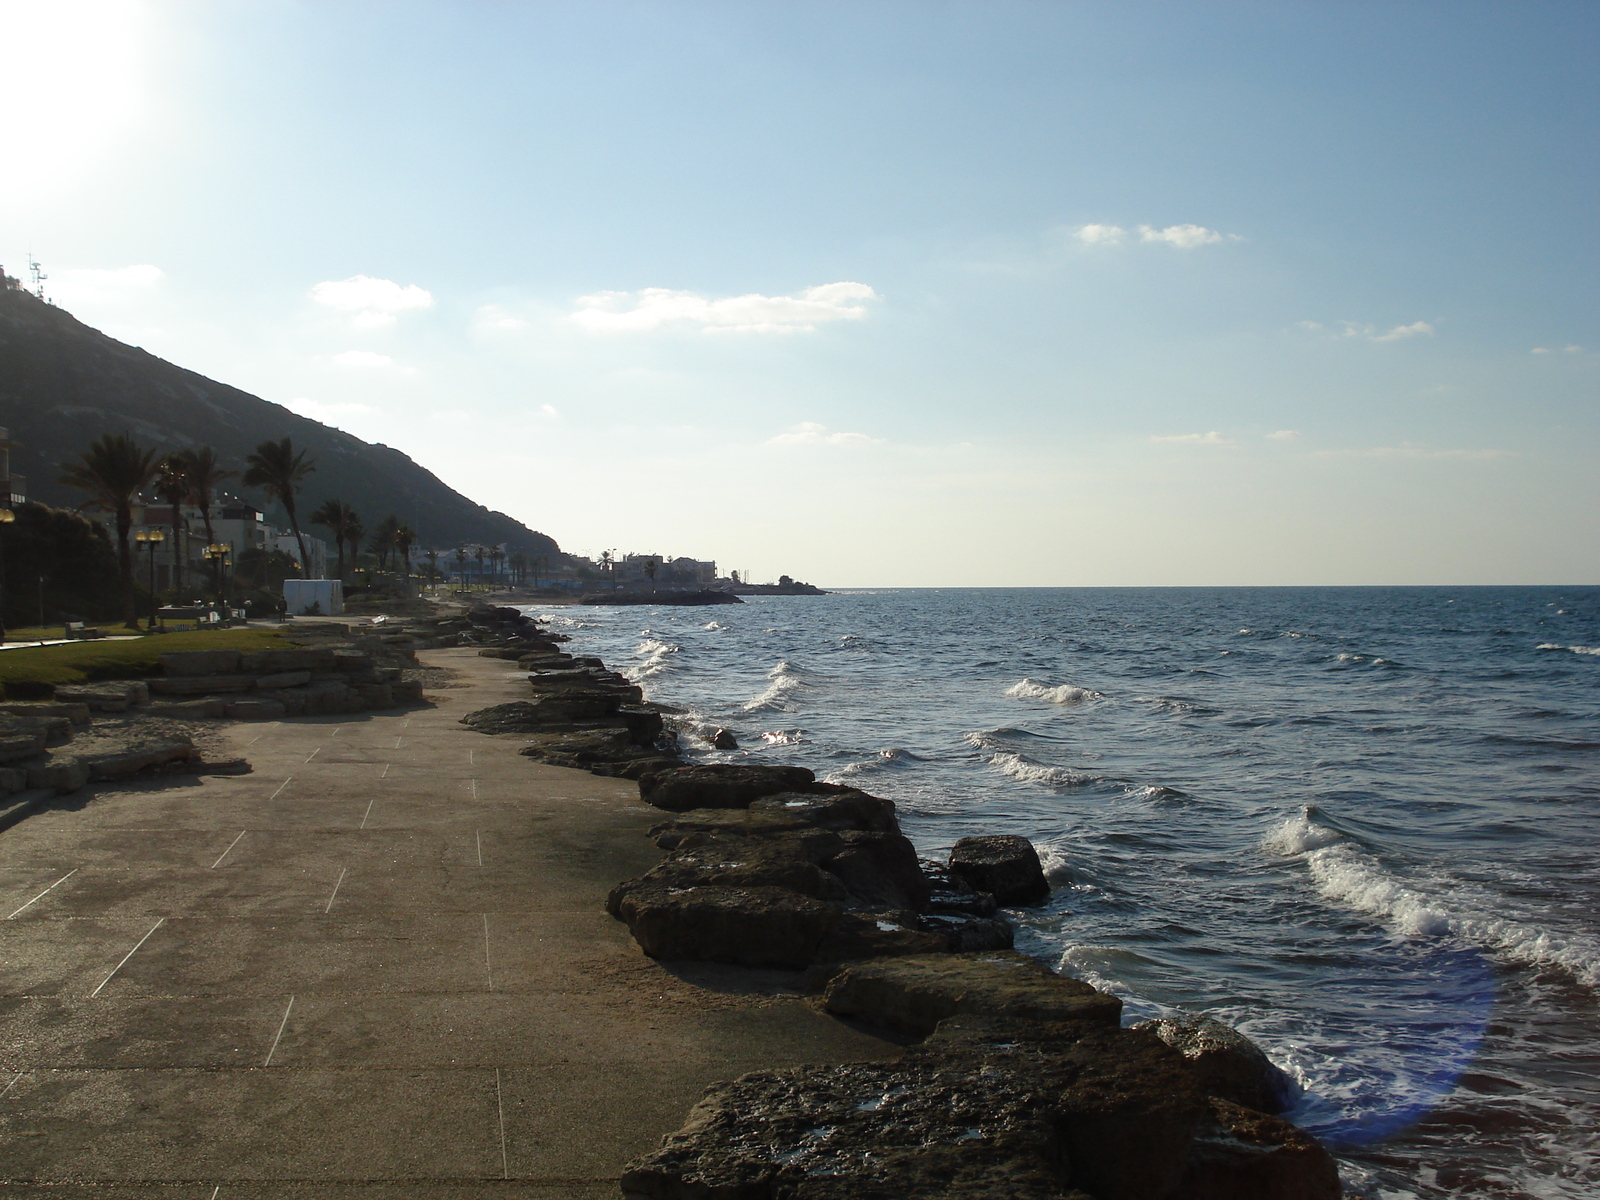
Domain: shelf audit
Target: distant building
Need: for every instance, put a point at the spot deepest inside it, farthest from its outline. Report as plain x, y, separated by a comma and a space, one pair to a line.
13, 488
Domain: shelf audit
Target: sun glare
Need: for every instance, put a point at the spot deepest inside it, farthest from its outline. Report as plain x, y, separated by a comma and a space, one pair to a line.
73, 82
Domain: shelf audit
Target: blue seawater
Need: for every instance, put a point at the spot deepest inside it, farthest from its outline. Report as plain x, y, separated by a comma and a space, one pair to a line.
1359, 824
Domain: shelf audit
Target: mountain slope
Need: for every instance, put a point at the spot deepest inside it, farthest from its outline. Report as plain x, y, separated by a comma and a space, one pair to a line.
63, 384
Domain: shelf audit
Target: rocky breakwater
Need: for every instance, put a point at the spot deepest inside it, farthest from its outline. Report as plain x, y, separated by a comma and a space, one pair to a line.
50, 749
1025, 1085
271, 684
580, 714
1018, 1084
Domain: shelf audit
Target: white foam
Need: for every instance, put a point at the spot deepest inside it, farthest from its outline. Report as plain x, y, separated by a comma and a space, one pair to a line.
1064, 693
657, 657
787, 682
783, 737
1298, 835
1025, 769
1352, 878
1571, 649
713, 625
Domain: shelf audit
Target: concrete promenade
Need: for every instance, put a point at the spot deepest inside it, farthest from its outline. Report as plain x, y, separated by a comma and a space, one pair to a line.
378, 967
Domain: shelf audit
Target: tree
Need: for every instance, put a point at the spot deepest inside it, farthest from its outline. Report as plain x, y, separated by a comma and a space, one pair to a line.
496, 557
277, 469
114, 470
433, 566
205, 481
172, 485
478, 553
461, 563
519, 567
383, 540
608, 562
404, 538
650, 566
338, 518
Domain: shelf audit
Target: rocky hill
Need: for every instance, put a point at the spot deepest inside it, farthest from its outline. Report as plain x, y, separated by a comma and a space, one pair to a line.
62, 384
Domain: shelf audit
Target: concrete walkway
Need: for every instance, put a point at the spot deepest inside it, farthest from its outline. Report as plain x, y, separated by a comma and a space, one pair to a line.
377, 967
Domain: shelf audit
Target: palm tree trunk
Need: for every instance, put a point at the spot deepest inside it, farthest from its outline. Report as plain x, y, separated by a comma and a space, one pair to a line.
125, 563
177, 556
299, 538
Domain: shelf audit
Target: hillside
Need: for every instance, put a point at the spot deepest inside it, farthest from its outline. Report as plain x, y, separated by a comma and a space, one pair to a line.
62, 384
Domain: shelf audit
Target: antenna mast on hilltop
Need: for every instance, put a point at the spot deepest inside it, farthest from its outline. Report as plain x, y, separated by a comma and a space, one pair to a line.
37, 271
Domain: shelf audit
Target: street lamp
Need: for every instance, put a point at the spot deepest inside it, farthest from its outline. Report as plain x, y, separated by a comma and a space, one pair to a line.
151, 538
217, 555
7, 517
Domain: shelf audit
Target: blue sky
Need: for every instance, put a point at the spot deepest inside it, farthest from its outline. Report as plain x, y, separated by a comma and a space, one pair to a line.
872, 293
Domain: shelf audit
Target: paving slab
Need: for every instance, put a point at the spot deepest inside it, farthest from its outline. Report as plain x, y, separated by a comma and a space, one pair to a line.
376, 968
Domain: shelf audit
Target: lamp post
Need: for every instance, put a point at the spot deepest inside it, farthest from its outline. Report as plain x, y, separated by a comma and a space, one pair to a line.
7, 517
151, 538
217, 555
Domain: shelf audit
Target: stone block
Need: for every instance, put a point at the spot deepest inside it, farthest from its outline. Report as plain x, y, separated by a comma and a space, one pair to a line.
77, 713
758, 926
13, 779
376, 695
720, 785
60, 775
272, 662
283, 679
256, 710
1004, 865
203, 709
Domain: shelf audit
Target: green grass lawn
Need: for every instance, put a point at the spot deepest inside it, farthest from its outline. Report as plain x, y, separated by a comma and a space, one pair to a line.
26, 672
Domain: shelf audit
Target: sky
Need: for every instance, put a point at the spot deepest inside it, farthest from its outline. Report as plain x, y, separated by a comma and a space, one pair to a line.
871, 293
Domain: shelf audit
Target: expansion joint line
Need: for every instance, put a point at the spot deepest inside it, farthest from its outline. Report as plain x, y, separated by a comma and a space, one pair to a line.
229, 850
488, 966
74, 871
339, 883
500, 1104
126, 957
282, 1025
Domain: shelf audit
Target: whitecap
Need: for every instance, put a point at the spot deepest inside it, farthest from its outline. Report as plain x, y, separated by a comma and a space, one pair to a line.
1020, 767
783, 737
1572, 649
657, 657
1063, 694
1299, 834
713, 625
786, 686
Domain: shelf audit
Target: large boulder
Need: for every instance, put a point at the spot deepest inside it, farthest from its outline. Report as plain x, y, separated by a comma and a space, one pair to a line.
916, 993
1226, 1063
830, 807
881, 870
1004, 865
756, 926
271, 662
720, 785
1241, 1154
989, 1111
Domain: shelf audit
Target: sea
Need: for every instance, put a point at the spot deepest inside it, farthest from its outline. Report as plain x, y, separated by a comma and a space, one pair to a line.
1359, 824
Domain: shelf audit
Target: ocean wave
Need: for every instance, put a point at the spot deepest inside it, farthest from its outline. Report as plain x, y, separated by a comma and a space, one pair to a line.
1002, 737
1595, 650
713, 625
1351, 877
784, 737
1359, 660
1019, 766
657, 657
785, 691
1064, 694
1178, 704
892, 759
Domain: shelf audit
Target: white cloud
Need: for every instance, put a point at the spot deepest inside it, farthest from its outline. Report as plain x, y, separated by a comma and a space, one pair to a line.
328, 414
549, 410
1401, 332
371, 302
1100, 235
810, 433
1564, 350
1193, 439
1284, 435
491, 318
362, 358
1184, 237
652, 308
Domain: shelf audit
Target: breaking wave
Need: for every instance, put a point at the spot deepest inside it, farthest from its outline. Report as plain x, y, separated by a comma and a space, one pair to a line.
786, 689
1570, 649
657, 656
1064, 694
1019, 766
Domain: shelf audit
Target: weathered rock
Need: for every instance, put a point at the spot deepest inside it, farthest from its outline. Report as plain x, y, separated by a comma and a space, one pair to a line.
199, 662
1009, 1116
78, 714
1227, 1064
720, 785
284, 679
969, 935
881, 870
1239, 1154
200, 685
24, 737
952, 896
112, 695
130, 760
830, 807
406, 691
527, 716
351, 660
864, 935
271, 662
256, 710
13, 779
762, 927
60, 775
376, 695
787, 863
1004, 865
915, 994
644, 724
204, 708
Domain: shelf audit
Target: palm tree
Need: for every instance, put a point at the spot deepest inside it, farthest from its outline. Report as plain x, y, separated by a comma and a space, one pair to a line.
608, 562
113, 471
404, 538
519, 567
172, 485
461, 563
206, 478
496, 557
336, 516
433, 568
478, 553
383, 539
277, 468
650, 566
